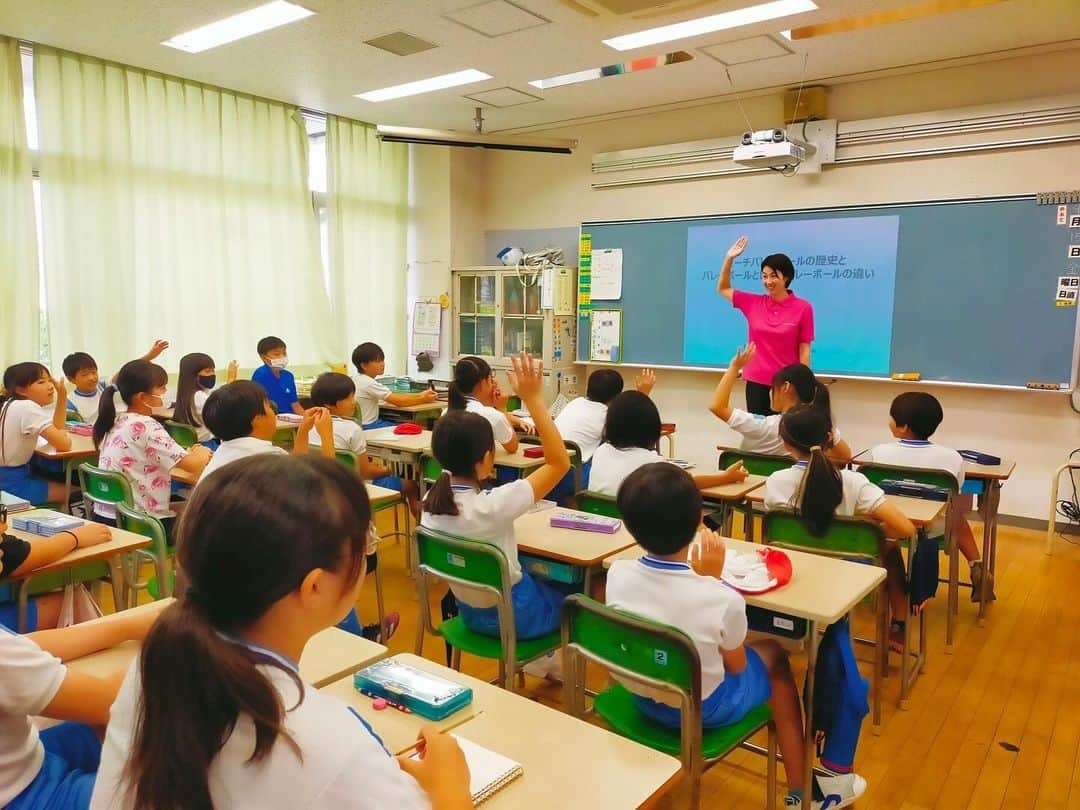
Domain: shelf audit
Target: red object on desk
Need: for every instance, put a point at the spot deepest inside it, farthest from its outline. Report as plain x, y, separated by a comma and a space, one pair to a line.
667, 427
408, 429
533, 452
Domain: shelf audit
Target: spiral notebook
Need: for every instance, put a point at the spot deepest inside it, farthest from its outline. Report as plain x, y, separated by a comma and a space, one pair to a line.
489, 772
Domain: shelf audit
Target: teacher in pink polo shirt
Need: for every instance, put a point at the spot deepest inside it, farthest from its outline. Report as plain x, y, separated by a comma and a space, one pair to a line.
780, 324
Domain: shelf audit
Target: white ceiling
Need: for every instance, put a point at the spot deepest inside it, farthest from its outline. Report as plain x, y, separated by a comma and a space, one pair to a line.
322, 61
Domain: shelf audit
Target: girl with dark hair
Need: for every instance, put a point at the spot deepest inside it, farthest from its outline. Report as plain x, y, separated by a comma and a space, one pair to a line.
779, 322
137, 445
474, 389
631, 436
32, 404
195, 381
214, 713
792, 387
817, 491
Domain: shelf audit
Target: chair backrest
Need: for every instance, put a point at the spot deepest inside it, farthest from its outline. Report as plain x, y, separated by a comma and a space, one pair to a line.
755, 463
883, 472
596, 503
430, 468
104, 486
457, 559
346, 458
847, 537
284, 437
653, 654
183, 435
132, 520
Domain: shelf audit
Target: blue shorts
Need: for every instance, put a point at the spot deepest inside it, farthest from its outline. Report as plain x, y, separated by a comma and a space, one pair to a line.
731, 701
9, 615
351, 624
211, 444
66, 778
21, 482
380, 423
565, 488
537, 610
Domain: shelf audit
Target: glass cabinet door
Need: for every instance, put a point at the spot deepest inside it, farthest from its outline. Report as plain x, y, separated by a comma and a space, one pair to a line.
476, 314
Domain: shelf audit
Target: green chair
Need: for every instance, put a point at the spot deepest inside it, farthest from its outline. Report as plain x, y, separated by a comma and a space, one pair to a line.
183, 434
483, 567
430, 470
645, 655
161, 584
863, 541
576, 464
109, 488
756, 464
284, 438
596, 503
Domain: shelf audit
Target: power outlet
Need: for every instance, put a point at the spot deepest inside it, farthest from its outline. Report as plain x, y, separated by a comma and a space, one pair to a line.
569, 385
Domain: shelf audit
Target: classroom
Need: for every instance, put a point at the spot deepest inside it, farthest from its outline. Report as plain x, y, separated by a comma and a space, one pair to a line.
539, 404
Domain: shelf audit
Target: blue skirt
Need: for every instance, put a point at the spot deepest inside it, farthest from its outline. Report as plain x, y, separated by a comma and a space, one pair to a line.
537, 610
21, 482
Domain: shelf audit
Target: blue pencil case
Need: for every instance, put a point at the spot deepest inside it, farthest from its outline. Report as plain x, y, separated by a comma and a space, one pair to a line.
975, 457
914, 489
420, 692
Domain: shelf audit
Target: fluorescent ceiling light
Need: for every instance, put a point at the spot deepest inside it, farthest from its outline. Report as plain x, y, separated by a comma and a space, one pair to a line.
245, 24
633, 66
469, 76
711, 24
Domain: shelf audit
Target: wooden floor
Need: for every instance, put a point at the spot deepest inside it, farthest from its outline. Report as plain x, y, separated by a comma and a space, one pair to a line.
990, 726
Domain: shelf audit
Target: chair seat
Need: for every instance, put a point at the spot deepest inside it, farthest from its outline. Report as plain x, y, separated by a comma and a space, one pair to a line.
618, 707
458, 635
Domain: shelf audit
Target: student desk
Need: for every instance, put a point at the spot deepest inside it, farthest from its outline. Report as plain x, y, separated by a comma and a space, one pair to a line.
426, 413
82, 449
669, 434
918, 511
402, 454
729, 496
557, 752
822, 590
586, 550
76, 566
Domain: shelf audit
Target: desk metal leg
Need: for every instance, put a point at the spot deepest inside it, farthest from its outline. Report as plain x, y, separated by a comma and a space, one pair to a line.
808, 708
670, 444
988, 506
69, 467
954, 590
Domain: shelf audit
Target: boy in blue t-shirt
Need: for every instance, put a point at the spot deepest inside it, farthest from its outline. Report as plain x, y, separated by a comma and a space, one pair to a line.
279, 384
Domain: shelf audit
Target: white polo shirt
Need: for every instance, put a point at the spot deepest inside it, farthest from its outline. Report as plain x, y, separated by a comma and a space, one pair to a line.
582, 421
198, 401
347, 436
235, 449
500, 425
860, 496
707, 610
86, 405
344, 764
760, 434
29, 680
489, 516
610, 466
370, 393
22, 423
925, 455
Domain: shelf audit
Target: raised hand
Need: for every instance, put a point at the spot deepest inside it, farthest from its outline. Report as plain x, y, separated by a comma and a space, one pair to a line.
527, 376
646, 381
736, 249
707, 554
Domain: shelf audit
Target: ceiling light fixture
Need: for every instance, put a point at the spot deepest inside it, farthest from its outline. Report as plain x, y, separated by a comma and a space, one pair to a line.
634, 66
708, 25
470, 76
476, 139
238, 26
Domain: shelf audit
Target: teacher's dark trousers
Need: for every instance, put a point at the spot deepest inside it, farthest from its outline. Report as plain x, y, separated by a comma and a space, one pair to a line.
757, 398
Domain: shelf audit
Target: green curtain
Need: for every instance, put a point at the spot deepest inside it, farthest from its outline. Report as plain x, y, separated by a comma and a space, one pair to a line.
178, 210
20, 321
368, 211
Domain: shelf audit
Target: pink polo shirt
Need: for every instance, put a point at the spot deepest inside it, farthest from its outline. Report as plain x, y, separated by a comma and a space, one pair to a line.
776, 329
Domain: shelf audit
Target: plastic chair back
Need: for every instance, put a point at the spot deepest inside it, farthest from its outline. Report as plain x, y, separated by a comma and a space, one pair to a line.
104, 486
883, 472
596, 503
846, 537
133, 520
755, 463
184, 435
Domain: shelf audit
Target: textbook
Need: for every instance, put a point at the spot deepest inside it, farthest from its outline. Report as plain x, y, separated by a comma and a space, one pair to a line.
14, 504
47, 523
489, 772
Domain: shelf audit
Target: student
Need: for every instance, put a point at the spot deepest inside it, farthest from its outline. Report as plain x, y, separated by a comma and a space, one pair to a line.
215, 714
913, 418
464, 445
631, 435
195, 381
18, 555
55, 769
337, 394
677, 582
370, 363
792, 386
473, 389
241, 416
82, 372
25, 414
135, 444
271, 375
816, 490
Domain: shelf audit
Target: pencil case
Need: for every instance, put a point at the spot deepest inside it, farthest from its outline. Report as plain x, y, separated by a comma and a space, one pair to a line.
550, 569
585, 522
420, 692
976, 457
533, 452
914, 489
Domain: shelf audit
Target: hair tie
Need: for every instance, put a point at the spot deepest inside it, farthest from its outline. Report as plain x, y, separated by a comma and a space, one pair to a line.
815, 447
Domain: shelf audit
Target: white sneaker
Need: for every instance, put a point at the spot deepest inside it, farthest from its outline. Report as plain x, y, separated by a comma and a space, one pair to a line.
549, 666
837, 791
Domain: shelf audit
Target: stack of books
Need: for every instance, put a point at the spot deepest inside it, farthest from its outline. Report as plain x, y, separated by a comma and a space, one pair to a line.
47, 523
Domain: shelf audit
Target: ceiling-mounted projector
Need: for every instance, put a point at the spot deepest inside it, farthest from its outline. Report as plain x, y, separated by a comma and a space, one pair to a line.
477, 138
771, 149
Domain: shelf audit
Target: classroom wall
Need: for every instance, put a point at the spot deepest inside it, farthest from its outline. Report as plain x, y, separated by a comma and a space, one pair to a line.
492, 191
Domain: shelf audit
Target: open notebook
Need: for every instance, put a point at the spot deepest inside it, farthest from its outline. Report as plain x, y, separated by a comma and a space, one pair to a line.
489, 772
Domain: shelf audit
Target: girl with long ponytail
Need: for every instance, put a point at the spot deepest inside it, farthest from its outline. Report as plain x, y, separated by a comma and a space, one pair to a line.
817, 491
215, 712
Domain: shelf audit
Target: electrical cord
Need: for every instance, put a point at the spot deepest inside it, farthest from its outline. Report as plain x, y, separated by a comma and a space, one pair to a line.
1069, 508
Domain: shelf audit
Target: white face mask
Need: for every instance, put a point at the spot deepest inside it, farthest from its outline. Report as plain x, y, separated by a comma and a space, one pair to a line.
279, 362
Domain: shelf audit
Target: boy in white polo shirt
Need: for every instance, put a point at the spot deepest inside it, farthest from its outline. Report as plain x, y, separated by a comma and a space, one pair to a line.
913, 418
677, 583
370, 362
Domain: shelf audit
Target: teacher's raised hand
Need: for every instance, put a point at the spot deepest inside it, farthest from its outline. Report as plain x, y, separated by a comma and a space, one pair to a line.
723, 286
737, 249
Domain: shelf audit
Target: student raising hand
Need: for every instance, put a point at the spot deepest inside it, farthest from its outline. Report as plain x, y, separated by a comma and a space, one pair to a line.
156, 350
233, 368
527, 379
646, 381
707, 554
440, 770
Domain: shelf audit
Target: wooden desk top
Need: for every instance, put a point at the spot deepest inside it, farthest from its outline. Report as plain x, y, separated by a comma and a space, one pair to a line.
604, 769
535, 535
424, 407
517, 460
919, 511
378, 495
991, 472
81, 447
734, 492
121, 543
385, 437
329, 656
822, 589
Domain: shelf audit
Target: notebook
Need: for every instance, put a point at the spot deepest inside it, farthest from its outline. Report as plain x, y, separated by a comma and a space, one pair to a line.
14, 503
489, 772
